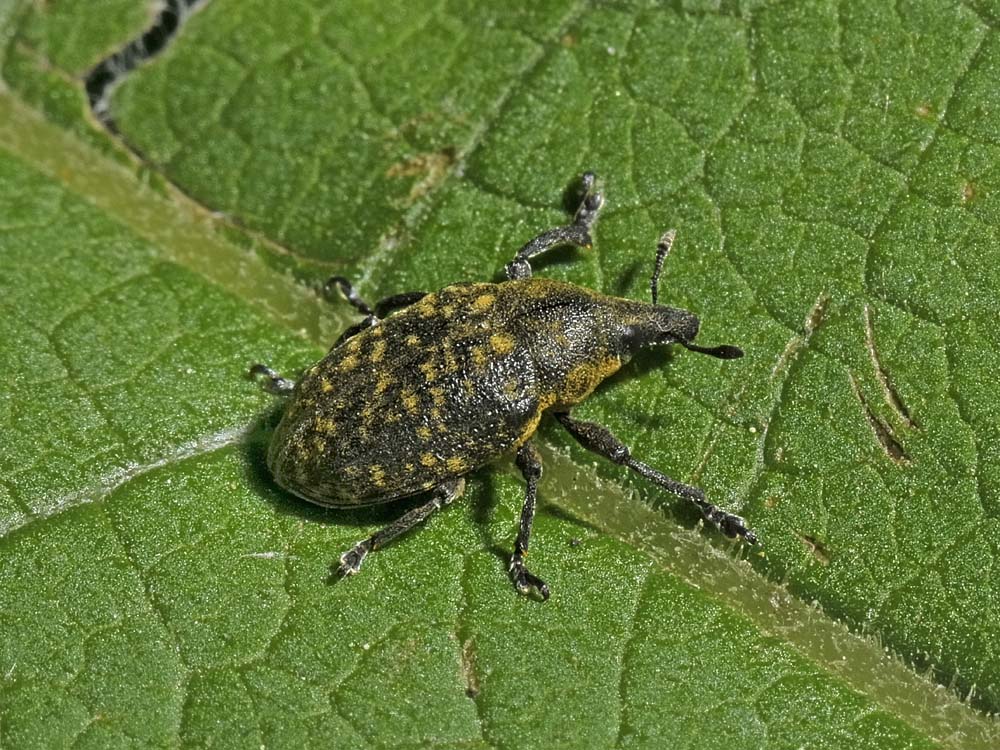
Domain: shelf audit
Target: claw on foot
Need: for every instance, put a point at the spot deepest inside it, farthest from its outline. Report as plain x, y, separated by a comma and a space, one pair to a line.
729, 524
350, 561
525, 581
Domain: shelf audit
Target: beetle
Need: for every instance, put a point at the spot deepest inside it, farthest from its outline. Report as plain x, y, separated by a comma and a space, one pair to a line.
429, 387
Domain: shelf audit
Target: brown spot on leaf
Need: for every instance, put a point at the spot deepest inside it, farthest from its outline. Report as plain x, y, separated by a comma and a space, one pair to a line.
431, 169
816, 548
889, 391
468, 663
882, 432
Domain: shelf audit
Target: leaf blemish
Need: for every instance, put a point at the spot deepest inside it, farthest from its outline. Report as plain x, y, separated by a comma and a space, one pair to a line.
814, 319
468, 662
883, 434
270, 556
432, 168
816, 548
889, 392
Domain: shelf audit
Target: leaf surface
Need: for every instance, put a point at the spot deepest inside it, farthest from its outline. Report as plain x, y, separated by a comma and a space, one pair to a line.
831, 174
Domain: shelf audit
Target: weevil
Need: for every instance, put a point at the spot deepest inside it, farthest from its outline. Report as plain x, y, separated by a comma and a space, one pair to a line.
429, 387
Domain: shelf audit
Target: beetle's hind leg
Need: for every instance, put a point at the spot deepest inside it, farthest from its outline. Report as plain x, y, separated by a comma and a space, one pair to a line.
530, 463
577, 233
273, 382
372, 313
600, 440
350, 561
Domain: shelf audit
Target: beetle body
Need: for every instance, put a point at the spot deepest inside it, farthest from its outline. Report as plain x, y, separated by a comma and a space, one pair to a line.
452, 383
413, 401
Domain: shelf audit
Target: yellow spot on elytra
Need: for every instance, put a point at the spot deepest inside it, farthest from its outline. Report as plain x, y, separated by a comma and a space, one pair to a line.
376, 330
324, 425
378, 351
457, 464
377, 475
483, 302
413, 340
450, 361
411, 401
479, 356
437, 394
319, 445
408, 468
429, 369
349, 362
424, 432
382, 383
428, 459
447, 311
502, 343
325, 385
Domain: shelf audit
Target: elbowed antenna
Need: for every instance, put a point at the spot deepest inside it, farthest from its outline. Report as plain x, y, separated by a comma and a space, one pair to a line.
662, 251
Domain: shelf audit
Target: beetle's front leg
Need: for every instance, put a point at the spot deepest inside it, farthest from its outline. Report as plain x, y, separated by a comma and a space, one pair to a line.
530, 463
350, 561
600, 440
577, 233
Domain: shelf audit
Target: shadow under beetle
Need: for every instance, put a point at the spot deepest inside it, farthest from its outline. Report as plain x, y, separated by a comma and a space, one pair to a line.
413, 401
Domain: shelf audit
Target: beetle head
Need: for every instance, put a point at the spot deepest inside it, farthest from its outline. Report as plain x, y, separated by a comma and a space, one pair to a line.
669, 325
653, 325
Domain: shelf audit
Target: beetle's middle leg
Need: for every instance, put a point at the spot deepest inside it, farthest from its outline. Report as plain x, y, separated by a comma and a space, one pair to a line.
577, 233
373, 314
350, 561
530, 463
600, 440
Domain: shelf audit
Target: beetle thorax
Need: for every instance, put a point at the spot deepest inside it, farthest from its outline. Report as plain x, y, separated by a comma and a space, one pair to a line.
578, 337
566, 329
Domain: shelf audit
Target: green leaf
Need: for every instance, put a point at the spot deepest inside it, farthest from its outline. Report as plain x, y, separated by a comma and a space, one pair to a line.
831, 172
